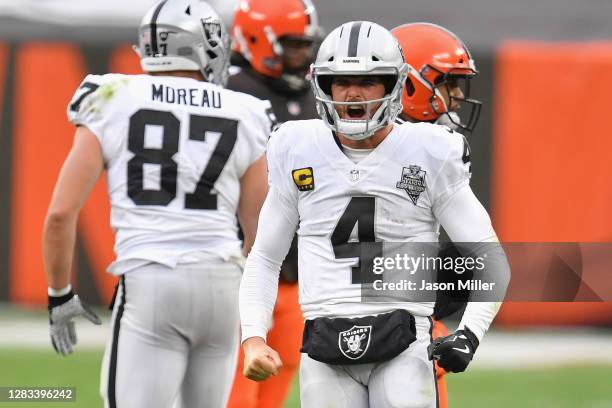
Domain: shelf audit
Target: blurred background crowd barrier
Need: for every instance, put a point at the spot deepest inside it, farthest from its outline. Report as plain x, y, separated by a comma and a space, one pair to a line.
541, 153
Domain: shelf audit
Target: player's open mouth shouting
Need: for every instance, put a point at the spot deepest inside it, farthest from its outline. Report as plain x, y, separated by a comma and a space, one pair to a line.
360, 96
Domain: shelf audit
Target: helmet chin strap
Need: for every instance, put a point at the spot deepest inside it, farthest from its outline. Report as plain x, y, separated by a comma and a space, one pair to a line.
356, 136
449, 119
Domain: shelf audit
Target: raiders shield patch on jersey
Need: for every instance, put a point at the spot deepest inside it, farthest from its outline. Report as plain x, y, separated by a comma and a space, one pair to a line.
303, 178
355, 341
413, 182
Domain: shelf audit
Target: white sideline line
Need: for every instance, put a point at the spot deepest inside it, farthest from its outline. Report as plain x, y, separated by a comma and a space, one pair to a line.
34, 333
544, 348
499, 349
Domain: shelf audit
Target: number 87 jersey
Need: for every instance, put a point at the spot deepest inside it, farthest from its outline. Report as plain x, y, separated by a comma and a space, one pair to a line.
174, 150
391, 195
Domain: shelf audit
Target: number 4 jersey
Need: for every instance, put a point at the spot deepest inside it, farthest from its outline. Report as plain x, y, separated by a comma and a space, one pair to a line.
391, 195
175, 150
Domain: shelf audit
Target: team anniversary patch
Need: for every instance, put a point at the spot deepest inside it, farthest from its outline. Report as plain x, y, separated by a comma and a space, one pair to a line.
412, 181
355, 341
303, 178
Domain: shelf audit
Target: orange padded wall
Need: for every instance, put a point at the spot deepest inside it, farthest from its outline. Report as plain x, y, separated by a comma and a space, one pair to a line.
552, 158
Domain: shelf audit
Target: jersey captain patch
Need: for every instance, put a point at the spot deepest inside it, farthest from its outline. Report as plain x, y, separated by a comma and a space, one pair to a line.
303, 178
412, 181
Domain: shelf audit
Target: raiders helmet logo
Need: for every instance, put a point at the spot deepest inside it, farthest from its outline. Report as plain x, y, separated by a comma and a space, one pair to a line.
354, 342
412, 181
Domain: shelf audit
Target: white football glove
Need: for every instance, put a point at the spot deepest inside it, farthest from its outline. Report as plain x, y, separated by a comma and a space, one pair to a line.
62, 309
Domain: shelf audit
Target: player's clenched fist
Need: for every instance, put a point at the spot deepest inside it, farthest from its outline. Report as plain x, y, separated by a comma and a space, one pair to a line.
260, 360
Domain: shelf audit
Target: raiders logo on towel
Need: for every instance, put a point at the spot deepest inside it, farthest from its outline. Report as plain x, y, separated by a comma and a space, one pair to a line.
355, 341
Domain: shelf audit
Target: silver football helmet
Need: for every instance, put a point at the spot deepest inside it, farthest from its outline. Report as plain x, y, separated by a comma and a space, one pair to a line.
359, 48
184, 35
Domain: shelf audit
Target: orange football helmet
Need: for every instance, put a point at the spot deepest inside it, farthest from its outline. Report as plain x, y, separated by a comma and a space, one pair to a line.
438, 58
259, 25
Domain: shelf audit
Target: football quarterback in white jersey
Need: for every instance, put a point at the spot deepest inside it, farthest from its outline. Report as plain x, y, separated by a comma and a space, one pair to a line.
350, 181
183, 156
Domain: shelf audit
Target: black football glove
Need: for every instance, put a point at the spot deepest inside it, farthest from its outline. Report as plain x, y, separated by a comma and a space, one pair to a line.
62, 309
454, 352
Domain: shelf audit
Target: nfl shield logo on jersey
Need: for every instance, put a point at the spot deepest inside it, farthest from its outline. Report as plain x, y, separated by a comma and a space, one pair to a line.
413, 182
355, 341
294, 108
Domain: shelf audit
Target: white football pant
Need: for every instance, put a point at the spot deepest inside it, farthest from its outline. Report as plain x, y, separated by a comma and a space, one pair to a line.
174, 335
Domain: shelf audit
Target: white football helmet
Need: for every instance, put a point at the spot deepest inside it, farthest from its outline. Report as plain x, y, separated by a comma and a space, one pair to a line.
184, 35
359, 48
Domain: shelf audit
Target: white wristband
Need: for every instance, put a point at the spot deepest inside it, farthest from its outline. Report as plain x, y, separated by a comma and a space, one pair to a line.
59, 292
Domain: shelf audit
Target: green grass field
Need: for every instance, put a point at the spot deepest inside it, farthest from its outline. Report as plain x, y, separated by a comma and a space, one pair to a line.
564, 387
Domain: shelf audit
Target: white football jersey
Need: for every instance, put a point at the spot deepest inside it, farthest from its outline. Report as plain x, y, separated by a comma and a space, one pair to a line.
175, 150
389, 196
